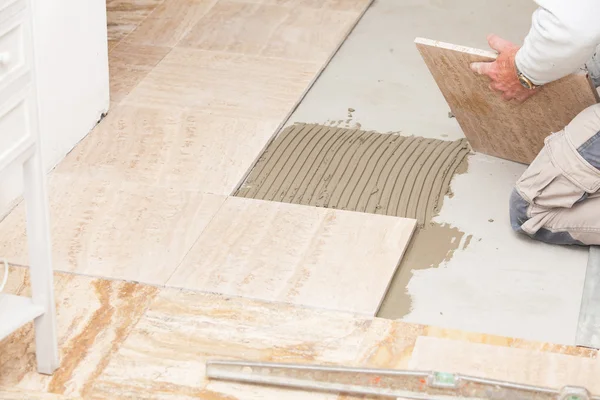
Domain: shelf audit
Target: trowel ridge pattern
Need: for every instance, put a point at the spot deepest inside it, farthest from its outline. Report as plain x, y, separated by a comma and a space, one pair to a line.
356, 170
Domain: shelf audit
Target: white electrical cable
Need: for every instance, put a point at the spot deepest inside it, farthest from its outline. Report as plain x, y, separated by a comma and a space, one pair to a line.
5, 276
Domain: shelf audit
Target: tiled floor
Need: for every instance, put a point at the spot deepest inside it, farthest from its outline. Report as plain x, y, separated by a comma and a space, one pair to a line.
555, 369
293, 254
198, 89
133, 200
122, 230
121, 340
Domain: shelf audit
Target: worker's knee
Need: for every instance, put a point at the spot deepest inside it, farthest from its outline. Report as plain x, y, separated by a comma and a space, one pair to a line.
583, 133
518, 216
518, 210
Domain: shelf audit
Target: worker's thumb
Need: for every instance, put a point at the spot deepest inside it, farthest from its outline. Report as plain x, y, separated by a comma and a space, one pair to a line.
482, 68
498, 44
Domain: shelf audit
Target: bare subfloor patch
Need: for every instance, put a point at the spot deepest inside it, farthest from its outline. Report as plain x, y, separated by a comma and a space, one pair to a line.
352, 169
430, 246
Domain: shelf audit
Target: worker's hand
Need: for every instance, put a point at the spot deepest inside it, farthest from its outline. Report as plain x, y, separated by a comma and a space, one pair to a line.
503, 71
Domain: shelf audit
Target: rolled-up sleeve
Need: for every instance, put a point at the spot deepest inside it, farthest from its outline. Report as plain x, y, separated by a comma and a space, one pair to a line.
563, 36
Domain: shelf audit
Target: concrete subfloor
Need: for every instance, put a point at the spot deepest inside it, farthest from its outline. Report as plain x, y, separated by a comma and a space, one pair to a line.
495, 282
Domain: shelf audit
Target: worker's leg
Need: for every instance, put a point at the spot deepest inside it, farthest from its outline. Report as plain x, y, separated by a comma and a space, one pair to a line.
557, 200
593, 67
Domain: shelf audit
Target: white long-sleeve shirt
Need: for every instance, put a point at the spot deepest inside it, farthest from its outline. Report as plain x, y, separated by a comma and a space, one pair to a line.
563, 36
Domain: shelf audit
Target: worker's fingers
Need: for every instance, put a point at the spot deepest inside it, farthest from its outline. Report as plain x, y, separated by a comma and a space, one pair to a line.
498, 44
508, 96
525, 95
482, 68
498, 86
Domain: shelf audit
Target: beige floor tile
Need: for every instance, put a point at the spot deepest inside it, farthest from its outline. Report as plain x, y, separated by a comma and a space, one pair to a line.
276, 31
181, 149
310, 256
340, 5
237, 27
127, 340
164, 358
523, 366
347, 5
18, 394
169, 22
226, 84
103, 227
123, 16
310, 35
129, 64
112, 43
94, 317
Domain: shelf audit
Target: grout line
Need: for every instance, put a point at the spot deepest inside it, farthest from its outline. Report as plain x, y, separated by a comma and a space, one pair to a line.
303, 95
137, 26
184, 34
224, 295
196, 241
248, 55
123, 100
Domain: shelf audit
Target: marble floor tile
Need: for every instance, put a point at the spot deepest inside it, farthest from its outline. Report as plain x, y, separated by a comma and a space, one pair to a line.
19, 394
296, 33
122, 340
338, 260
507, 364
177, 148
340, 5
94, 317
123, 16
103, 227
181, 330
237, 27
112, 43
225, 84
169, 22
165, 356
129, 64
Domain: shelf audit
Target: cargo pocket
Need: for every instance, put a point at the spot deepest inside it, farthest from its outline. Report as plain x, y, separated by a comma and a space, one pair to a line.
572, 164
590, 151
545, 186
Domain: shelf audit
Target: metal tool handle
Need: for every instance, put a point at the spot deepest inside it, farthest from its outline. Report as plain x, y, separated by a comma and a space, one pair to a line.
385, 383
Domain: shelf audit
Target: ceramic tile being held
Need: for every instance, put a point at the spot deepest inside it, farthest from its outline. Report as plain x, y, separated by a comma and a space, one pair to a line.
355, 170
311, 256
493, 126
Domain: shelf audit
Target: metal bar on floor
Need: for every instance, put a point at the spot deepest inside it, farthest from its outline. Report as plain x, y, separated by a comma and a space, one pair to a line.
588, 327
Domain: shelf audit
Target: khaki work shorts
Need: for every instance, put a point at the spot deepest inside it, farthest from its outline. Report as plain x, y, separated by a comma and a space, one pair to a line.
557, 199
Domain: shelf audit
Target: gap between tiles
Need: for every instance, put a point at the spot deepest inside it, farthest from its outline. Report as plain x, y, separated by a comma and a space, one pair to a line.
224, 296
303, 95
